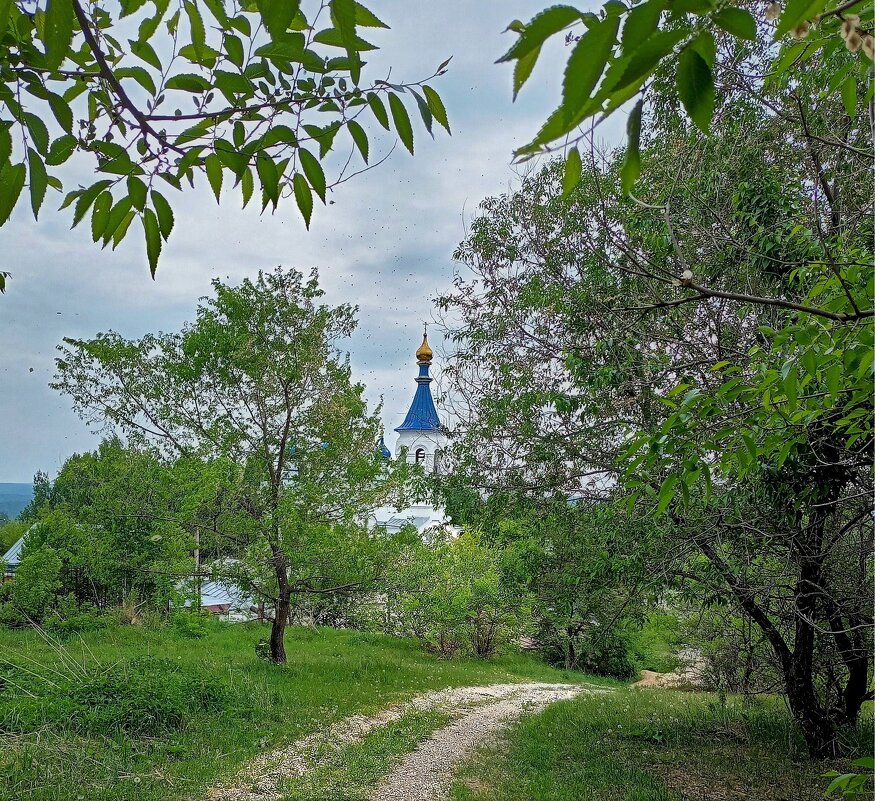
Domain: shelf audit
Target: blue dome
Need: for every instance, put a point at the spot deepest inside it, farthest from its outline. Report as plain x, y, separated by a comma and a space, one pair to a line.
384, 451
422, 415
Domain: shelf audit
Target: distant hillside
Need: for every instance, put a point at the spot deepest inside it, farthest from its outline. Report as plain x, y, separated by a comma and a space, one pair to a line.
14, 497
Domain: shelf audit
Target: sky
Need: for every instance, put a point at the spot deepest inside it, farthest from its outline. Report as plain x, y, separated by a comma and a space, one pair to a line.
385, 244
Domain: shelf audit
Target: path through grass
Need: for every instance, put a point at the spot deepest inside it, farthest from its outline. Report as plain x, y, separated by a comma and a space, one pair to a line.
650, 745
156, 716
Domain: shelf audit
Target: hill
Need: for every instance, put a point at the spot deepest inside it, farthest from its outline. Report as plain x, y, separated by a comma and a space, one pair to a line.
14, 497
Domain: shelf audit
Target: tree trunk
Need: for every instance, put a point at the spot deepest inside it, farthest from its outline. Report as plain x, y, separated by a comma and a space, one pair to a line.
281, 613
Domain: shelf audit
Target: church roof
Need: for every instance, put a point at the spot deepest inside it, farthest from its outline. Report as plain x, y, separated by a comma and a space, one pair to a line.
422, 415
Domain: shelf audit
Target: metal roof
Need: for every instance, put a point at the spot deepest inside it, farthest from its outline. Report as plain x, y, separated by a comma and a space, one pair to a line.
422, 415
12, 557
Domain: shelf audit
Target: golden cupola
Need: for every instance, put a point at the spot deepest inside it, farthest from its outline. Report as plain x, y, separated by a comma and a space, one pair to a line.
424, 353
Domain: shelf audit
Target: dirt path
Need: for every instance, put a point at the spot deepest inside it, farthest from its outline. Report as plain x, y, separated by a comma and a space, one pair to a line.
423, 774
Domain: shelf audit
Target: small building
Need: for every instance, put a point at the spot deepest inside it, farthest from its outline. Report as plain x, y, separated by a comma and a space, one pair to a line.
12, 559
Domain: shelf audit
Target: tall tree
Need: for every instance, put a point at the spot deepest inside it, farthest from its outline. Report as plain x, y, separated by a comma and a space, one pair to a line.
254, 93
256, 379
707, 349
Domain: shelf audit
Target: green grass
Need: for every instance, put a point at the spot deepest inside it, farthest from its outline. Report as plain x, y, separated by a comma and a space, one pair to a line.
81, 744
650, 745
352, 772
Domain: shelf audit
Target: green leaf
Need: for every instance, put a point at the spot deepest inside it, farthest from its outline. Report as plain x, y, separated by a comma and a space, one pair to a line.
188, 82
571, 175
359, 137
234, 49
214, 174
523, 69
343, 17
303, 197
153, 239
631, 168
11, 182
437, 107
247, 185
695, 85
641, 22
796, 11
85, 198
402, 121
706, 46
585, 66
379, 109
60, 20
38, 132
100, 215
122, 229
137, 192
62, 148
278, 15
666, 493
5, 8
62, 111
288, 48
5, 143
367, 19
163, 212
144, 51
849, 96
541, 27
269, 177
737, 21
313, 171
38, 180
139, 75
196, 24
117, 215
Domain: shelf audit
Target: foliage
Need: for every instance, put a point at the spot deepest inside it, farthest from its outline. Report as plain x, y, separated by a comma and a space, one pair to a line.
452, 594
851, 785
659, 49
37, 580
255, 404
141, 697
705, 351
256, 94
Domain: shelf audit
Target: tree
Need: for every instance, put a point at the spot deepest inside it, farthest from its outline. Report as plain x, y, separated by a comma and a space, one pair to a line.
256, 380
452, 593
707, 350
667, 50
256, 93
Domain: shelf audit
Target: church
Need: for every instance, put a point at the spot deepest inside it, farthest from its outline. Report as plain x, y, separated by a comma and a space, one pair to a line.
423, 438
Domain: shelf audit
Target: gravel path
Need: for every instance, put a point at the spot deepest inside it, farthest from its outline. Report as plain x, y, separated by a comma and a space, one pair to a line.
424, 773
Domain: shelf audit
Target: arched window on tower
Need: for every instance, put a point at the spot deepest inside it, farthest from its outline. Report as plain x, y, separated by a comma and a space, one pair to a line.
420, 455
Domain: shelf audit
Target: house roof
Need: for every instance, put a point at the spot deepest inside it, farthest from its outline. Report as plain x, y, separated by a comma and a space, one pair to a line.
12, 557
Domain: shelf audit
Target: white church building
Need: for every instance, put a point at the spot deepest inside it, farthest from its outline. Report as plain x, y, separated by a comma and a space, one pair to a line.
424, 438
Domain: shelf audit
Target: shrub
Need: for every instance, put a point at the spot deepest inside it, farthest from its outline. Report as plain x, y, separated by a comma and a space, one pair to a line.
142, 697
70, 618
190, 625
452, 595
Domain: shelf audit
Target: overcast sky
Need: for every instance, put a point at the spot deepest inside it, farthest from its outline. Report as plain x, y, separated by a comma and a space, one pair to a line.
385, 244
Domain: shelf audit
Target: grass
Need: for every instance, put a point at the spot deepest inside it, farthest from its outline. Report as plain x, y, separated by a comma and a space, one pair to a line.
86, 738
650, 745
352, 772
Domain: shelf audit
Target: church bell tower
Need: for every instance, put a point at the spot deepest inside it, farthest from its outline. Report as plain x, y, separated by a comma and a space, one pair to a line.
421, 432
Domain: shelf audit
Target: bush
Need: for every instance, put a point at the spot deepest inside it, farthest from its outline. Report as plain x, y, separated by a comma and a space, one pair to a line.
143, 697
451, 594
190, 625
70, 618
